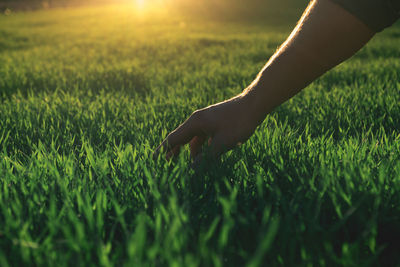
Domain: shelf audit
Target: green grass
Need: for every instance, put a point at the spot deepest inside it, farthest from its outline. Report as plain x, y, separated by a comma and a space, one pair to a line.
87, 94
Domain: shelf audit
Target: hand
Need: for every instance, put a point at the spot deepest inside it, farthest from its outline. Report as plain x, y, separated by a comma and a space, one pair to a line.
224, 125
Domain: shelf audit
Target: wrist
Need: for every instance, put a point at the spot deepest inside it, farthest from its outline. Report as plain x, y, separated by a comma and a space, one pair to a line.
254, 104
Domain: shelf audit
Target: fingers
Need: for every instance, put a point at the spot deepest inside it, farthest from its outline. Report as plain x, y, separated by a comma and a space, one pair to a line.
197, 162
174, 151
195, 145
216, 147
181, 135
220, 144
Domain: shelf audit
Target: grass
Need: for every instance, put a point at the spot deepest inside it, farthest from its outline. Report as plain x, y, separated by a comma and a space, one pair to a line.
88, 93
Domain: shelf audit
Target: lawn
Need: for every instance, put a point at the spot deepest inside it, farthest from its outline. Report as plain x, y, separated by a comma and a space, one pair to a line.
87, 93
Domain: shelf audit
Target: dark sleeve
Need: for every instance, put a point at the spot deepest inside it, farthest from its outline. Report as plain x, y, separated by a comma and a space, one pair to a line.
376, 14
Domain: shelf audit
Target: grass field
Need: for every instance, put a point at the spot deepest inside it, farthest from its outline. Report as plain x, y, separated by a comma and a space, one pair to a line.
88, 93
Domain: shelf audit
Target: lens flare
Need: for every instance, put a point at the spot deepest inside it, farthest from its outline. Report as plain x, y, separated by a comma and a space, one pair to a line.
140, 4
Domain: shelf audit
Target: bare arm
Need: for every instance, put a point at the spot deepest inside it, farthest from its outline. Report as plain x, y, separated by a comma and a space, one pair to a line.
325, 36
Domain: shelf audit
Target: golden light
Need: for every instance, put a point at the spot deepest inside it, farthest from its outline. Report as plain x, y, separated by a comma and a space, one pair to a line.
146, 9
140, 4
148, 6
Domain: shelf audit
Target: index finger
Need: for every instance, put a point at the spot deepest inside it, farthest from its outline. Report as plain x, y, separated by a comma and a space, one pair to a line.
181, 135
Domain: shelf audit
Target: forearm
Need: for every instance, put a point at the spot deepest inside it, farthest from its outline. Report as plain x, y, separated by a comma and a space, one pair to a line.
325, 36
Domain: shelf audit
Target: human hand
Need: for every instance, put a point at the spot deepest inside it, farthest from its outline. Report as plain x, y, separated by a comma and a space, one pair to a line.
223, 125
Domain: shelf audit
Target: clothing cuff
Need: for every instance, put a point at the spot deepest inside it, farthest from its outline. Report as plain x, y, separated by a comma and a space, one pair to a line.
376, 14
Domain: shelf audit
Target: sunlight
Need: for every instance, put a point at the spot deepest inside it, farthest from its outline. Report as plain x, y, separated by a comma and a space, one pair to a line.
145, 8
140, 4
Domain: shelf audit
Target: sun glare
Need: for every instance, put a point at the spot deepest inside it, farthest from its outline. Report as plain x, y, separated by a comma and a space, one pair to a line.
144, 8
140, 4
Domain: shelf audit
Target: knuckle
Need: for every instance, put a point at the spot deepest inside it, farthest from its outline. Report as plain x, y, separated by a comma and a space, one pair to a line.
169, 138
197, 115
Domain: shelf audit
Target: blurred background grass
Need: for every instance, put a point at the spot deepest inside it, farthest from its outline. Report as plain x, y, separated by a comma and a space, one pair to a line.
216, 8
